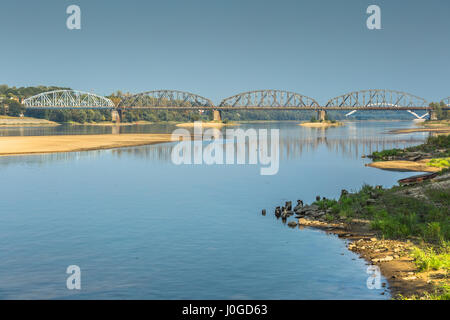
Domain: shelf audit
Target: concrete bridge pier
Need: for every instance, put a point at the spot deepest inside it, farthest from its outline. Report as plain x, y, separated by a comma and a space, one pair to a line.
321, 115
115, 116
217, 115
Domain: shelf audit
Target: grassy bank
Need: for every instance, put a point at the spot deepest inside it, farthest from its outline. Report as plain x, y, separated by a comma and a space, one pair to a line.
418, 213
434, 147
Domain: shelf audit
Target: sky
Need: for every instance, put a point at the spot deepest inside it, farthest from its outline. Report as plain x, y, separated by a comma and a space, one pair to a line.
218, 48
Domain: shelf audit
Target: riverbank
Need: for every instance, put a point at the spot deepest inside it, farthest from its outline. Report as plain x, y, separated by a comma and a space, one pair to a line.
432, 156
402, 230
6, 121
23, 145
435, 126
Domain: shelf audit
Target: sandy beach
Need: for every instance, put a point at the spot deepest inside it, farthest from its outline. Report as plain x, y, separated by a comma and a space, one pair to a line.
321, 124
25, 121
402, 165
67, 143
206, 124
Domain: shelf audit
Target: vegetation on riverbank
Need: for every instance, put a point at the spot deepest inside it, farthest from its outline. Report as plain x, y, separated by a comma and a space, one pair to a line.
434, 147
395, 213
418, 213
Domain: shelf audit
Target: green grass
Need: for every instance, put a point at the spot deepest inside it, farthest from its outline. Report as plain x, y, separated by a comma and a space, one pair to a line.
442, 292
439, 163
439, 146
428, 259
395, 215
383, 155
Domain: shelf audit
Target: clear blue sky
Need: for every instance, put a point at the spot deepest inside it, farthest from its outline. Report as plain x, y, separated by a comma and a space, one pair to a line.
217, 48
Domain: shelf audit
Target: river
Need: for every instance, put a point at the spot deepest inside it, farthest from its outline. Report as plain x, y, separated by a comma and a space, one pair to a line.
141, 227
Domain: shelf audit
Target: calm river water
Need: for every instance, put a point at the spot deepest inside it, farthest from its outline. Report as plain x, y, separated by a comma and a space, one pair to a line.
140, 227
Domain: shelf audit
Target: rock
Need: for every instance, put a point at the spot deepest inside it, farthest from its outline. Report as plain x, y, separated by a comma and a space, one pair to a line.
304, 222
299, 205
288, 205
263, 212
373, 239
278, 212
292, 224
385, 259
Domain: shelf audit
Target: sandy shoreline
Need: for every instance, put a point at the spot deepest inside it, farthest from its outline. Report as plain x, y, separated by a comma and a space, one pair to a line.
23, 145
6, 121
206, 124
403, 165
435, 130
320, 124
391, 256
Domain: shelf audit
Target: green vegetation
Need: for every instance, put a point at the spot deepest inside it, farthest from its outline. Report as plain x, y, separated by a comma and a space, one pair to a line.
439, 162
166, 115
68, 116
428, 259
438, 110
396, 215
442, 292
438, 146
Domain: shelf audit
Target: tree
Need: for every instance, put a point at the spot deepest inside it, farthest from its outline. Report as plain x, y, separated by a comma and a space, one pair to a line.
438, 109
15, 109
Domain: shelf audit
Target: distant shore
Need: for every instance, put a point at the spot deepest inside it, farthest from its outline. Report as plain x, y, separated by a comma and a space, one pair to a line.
24, 145
25, 121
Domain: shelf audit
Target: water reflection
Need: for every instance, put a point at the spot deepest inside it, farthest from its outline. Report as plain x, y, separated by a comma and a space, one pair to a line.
352, 141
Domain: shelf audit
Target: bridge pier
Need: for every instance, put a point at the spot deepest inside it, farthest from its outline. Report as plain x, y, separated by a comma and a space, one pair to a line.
217, 115
115, 116
321, 115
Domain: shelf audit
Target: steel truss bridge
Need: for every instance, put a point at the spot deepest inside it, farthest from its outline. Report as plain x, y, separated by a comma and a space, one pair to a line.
68, 99
375, 99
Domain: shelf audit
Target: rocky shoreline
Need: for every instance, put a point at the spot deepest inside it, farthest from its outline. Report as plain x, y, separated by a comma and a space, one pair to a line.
391, 256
